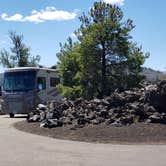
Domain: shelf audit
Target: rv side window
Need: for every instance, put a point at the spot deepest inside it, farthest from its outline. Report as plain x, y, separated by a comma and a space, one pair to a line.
54, 81
41, 83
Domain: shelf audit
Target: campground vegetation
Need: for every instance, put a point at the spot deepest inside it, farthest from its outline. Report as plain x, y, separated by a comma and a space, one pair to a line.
103, 58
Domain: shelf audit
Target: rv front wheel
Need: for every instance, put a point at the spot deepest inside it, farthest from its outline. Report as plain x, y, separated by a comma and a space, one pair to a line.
11, 115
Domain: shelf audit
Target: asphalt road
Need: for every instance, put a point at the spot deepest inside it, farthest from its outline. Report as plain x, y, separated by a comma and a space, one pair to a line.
23, 149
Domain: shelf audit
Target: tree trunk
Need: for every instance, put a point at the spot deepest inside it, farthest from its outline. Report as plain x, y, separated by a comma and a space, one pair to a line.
103, 81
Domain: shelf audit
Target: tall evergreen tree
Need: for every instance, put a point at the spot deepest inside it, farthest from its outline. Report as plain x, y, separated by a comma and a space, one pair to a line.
19, 55
109, 37
107, 57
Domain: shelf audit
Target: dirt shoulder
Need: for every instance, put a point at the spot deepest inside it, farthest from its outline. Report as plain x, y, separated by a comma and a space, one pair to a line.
136, 133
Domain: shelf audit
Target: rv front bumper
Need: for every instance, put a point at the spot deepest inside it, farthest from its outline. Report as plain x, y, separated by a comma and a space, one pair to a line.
18, 103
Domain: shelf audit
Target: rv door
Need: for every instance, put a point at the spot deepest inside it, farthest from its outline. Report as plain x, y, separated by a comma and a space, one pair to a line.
42, 89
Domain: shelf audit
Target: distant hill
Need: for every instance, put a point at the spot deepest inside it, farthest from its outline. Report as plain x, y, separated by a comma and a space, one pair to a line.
153, 75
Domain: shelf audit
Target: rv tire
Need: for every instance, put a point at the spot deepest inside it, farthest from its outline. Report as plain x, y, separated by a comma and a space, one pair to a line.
11, 115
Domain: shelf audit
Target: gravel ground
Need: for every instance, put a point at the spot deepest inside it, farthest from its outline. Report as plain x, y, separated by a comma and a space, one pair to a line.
136, 133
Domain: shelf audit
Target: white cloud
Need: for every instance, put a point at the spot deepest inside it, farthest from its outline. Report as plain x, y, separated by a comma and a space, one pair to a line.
47, 14
117, 2
15, 17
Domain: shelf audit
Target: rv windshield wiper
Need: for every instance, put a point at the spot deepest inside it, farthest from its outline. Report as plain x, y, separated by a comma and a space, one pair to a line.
14, 90
8, 90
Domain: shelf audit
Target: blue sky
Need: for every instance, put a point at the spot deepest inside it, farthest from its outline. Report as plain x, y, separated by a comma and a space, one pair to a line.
46, 23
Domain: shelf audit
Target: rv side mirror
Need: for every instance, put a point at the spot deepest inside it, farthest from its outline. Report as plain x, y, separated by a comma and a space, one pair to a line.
40, 87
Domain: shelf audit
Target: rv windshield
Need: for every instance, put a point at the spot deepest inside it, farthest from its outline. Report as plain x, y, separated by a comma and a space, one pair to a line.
19, 81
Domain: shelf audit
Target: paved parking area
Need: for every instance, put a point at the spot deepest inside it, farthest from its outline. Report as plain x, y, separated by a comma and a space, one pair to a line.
24, 149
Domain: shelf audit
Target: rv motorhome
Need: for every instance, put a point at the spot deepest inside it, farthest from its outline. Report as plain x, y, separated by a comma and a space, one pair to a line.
25, 87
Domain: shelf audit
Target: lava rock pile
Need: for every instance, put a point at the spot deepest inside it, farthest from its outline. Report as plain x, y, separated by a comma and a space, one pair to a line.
146, 104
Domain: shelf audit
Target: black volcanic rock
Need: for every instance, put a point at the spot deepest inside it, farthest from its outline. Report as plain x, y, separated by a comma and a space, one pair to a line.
147, 104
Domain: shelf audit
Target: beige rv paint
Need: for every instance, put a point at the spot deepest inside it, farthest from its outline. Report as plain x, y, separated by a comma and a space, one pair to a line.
45, 95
